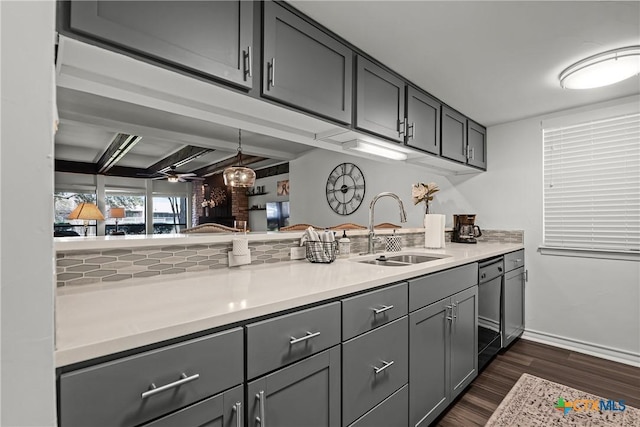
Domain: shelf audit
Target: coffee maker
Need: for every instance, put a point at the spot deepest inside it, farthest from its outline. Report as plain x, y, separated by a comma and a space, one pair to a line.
464, 229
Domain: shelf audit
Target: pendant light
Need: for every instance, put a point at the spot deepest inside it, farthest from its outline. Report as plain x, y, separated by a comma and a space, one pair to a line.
603, 69
239, 176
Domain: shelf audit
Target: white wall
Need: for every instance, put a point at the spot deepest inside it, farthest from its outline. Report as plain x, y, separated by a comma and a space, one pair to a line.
309, 173
593, 304
27, 394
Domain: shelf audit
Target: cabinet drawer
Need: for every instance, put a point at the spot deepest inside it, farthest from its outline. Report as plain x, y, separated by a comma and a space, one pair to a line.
514, 260
362, 386
279, 341
110, 394
428, 289
365, 312
393, 412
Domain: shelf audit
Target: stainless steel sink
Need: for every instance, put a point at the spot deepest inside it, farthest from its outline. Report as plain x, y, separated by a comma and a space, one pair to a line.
401, 260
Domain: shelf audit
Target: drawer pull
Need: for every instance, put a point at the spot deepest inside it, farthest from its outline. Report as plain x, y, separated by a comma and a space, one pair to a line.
153, 389
382, 309
237, 408
309, 335
517, 260
383, 367
261, 419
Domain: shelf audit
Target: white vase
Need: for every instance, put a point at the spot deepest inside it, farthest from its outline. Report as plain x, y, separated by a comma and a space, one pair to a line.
434, 231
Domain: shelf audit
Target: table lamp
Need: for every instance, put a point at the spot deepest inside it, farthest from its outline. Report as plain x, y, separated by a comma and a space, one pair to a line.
86, 212
116, 213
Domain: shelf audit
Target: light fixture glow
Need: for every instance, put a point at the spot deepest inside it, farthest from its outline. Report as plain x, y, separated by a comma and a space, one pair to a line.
239, 176
376, 150
602, 69
173, 178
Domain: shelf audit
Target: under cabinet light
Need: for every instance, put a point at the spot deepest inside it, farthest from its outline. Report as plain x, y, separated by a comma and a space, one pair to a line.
603, 69
376, 150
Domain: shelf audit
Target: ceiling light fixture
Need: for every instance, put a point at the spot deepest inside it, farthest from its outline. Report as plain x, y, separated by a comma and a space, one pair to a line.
603, 69
239, 176
376, 150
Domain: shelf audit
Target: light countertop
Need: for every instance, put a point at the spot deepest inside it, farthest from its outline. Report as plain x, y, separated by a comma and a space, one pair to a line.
101, 319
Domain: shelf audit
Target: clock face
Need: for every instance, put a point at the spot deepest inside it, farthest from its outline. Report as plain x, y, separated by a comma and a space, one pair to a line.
345, 188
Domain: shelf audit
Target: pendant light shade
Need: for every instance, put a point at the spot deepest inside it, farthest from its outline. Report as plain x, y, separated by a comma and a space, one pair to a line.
239, 176
603, 69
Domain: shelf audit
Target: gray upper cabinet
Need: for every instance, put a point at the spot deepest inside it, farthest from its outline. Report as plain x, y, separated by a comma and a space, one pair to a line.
305, 67
380, 102
213, 38
453, 135
423, 122
306, 393
477, 142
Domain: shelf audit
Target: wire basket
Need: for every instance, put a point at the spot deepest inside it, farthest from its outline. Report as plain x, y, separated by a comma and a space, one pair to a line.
324, 252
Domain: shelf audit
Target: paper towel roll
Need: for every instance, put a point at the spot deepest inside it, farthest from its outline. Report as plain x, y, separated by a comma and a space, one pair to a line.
434, 231
240, 247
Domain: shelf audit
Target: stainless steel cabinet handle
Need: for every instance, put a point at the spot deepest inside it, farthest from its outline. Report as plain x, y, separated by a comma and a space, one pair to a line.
382, 309
309, 335
447, 316
473, 153
412, 127
383, 367
455, 306
517, 260
249, 62
153, 389
262, 419
272, 73
237, 408
402, 127
525, 275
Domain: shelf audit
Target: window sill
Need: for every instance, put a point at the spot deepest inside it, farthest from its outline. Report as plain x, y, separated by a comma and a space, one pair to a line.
590, 253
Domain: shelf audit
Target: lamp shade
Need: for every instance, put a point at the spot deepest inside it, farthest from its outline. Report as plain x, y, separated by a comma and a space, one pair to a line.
239, 176
86, 211
116, 212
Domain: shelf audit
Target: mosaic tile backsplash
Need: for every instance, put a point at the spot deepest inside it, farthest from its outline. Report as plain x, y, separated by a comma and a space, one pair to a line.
75, 268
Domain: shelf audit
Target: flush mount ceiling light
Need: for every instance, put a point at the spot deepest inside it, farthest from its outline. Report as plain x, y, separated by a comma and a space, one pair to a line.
603, 69
376, 150
239, 176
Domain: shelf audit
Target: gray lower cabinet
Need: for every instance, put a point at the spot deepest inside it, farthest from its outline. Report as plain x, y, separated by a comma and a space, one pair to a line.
375, 365
453, 135
423, 122
513, 305
214, 38
380, 102
442, 353
304, 66
306, 393
223, 410
137, 389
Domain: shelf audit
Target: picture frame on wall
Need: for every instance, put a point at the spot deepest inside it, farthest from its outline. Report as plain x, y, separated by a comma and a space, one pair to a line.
283, 188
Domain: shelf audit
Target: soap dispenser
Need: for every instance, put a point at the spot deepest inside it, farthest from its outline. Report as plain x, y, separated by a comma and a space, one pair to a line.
344, 245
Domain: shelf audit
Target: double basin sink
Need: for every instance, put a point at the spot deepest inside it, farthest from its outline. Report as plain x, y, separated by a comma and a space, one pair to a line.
401, 260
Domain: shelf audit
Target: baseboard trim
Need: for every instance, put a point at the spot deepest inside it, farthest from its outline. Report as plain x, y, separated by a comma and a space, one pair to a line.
616, 355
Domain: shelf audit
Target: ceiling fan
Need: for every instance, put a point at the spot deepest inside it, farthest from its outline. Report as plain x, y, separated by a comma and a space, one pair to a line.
173, 176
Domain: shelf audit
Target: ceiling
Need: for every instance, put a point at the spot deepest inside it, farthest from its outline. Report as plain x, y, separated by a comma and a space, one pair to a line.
494, 61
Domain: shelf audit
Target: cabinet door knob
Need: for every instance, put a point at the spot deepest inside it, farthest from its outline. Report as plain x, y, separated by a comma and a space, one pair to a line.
309, 335
153, 389
382, 309
262, 418
383, 367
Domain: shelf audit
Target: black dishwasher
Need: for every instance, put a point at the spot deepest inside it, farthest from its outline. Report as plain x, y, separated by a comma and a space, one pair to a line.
490, 274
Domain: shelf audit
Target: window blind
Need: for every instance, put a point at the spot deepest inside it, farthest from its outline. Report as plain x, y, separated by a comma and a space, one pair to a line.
592, 185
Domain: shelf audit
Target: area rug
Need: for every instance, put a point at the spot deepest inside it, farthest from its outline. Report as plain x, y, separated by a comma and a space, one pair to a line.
535, 401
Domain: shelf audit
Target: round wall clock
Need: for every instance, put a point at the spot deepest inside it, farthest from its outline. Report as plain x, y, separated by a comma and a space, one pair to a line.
345, 188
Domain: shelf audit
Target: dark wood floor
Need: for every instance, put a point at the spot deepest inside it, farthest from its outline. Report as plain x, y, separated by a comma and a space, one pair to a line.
602, 377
